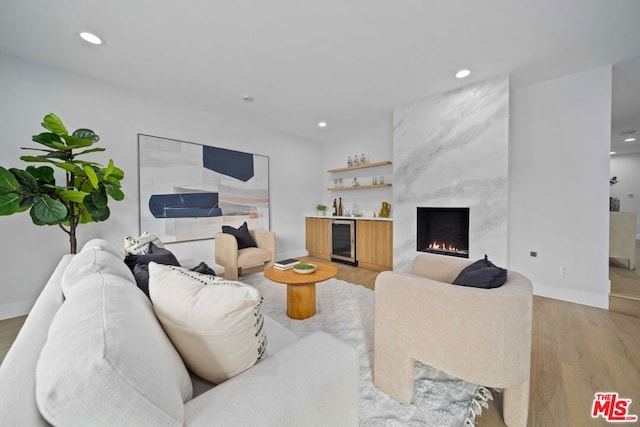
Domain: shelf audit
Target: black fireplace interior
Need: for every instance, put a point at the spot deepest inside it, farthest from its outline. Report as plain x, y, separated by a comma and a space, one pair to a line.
443, 231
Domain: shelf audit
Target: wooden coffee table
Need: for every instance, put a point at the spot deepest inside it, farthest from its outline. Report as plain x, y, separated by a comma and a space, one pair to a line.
301, 288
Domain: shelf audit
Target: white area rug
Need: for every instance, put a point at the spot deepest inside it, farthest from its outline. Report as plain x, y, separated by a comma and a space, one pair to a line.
345, 311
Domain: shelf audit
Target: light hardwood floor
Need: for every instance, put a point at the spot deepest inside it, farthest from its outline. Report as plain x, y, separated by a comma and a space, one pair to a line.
576, 352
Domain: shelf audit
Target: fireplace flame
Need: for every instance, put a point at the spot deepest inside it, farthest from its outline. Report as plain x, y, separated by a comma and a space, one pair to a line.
442, 246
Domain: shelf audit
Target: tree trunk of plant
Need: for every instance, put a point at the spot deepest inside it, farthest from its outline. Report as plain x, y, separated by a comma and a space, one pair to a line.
73, 217
72, 237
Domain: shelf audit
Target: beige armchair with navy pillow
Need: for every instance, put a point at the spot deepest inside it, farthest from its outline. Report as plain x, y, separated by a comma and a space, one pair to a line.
238, 248
480, 335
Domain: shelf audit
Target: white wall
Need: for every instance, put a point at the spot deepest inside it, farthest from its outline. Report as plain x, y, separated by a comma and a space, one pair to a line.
29, 91
627, 168
559, 174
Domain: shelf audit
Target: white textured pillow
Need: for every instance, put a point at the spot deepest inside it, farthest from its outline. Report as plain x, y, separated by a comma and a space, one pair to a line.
107, 361
93, 260
215, 324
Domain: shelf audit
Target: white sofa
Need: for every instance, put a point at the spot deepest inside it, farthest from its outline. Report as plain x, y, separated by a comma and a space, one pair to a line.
308, 381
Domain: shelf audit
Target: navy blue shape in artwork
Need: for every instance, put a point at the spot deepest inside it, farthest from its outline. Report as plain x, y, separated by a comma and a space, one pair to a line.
184, 205
228, 162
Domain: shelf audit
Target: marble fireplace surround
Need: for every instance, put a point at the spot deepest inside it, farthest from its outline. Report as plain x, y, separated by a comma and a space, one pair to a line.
451, 150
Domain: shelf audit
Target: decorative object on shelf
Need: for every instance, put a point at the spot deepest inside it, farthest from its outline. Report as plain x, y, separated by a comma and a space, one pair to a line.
363, 160
356, 161
83, 196
322, 209
340, 181
335, 182
335, 208
349, 162
340, 206
374, 180
381, 180
355, 182
385, 210
304, 268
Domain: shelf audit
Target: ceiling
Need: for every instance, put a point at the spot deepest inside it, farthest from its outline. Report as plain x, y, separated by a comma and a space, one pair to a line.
347, 62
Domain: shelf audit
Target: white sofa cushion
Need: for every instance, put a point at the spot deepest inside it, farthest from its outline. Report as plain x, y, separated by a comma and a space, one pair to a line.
215, 324
108, 362
104, 245
90, 260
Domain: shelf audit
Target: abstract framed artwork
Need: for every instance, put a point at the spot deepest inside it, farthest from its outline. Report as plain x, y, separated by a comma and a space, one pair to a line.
188, 191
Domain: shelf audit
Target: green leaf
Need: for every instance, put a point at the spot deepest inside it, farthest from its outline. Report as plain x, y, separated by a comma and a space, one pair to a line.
91, 174
117, 173
9, 203
85, 217
27, 202
36, 159
108, 170
74, 142
48, 210
52, 123
99, 197
47, 139
86, 134
72, 195
93, 150
115, 192
42, 173
98, 214
70, 167
8, 180
25, 179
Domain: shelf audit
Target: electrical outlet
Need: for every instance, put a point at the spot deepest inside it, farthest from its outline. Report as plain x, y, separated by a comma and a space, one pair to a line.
533, 253
563, 270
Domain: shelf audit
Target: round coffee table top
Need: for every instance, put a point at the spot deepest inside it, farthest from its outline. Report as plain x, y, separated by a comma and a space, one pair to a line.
323, 272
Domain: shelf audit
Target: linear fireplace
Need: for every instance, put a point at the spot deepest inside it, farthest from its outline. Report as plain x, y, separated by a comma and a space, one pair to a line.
443, 231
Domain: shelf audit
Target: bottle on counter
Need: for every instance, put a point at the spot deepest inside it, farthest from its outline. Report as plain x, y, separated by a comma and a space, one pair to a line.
335, 208
340, 206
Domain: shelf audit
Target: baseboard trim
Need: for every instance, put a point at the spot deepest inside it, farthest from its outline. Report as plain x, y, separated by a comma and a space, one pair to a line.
15, 309
572, 295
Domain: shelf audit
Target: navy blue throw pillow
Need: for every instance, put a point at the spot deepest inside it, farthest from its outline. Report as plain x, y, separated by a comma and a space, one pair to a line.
138, 264
242, 235
482, 274
203, 268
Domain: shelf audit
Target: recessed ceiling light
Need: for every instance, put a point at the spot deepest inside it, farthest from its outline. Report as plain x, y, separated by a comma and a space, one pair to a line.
91, 38
461, 74
247, 98
322, 124
629, 140
612, 153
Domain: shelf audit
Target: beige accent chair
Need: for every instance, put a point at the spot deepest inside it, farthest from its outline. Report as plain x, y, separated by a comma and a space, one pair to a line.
234, 260
479, 335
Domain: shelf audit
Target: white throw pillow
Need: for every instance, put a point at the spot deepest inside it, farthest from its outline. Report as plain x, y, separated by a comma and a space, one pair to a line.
93, 260
215, 324
107, 361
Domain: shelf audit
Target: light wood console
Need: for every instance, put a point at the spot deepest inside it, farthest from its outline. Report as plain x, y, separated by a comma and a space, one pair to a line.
374, 241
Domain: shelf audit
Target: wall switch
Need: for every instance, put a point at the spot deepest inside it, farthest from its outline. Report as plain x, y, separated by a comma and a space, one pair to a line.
563, 270
533, 253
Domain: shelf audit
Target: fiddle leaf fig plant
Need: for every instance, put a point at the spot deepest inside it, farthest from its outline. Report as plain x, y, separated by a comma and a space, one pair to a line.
84, 195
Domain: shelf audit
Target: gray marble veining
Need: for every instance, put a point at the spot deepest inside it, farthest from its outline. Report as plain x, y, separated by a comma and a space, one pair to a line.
451, 150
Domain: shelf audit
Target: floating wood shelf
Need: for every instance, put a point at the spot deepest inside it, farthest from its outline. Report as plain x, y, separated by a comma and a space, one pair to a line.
368, 165
358, 187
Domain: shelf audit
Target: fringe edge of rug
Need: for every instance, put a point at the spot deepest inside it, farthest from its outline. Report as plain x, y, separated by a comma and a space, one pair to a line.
479, 401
